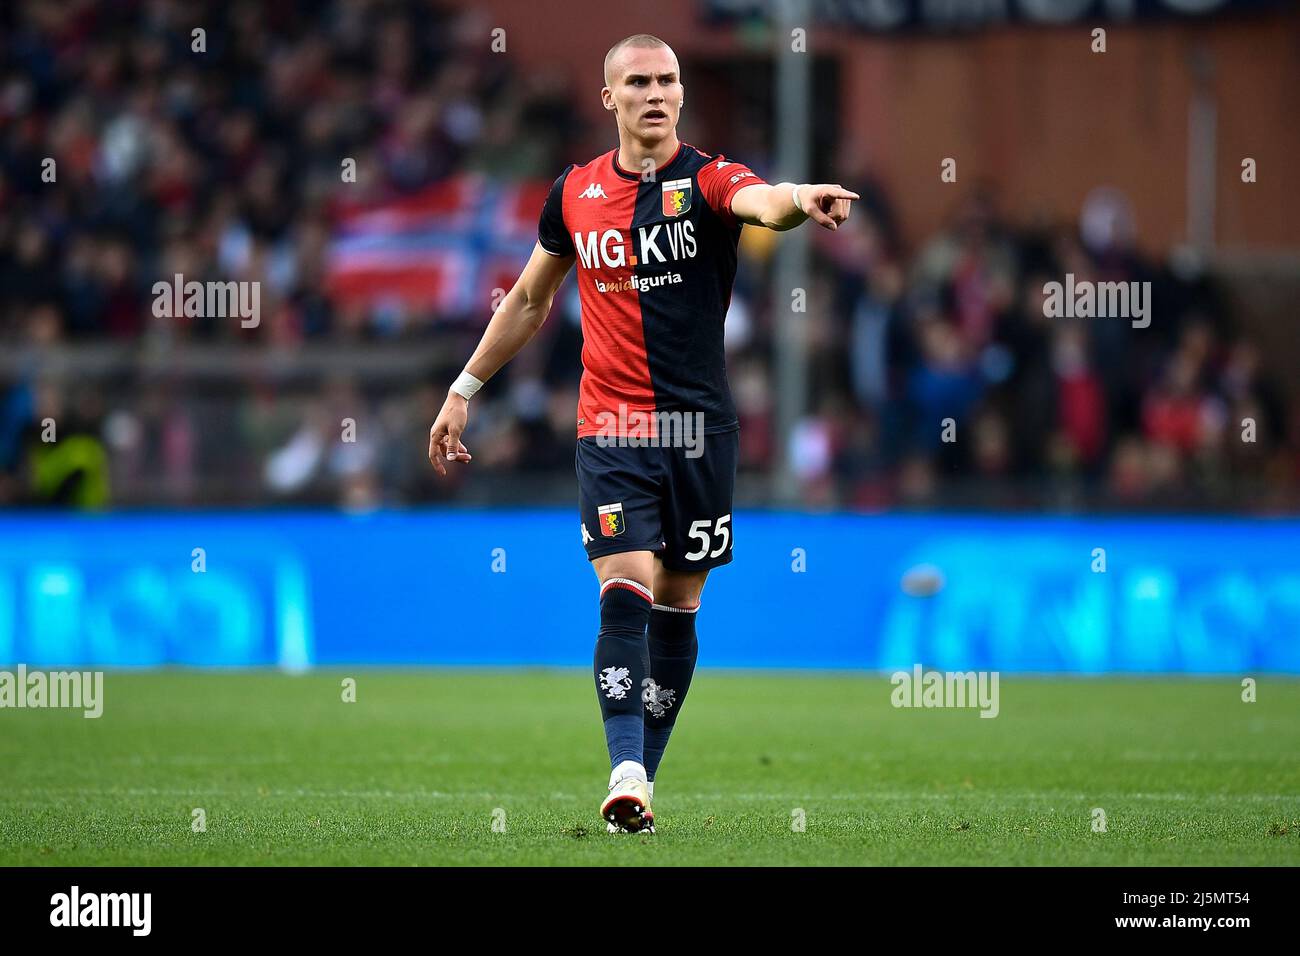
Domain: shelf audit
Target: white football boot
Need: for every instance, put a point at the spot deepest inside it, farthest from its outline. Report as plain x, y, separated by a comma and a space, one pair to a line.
627, 808
649, 816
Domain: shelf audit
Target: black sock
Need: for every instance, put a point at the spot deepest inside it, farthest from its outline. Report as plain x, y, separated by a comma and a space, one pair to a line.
673, 650
622, 665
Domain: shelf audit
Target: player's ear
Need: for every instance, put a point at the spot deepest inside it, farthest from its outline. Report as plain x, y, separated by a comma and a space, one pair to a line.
607, 97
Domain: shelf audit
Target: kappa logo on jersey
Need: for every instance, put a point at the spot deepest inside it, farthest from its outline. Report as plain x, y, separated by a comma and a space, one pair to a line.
677, 197
594, 191
723, 163
611, 519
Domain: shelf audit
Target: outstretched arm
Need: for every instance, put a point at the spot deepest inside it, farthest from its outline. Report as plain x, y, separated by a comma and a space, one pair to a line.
775, 206
516, 321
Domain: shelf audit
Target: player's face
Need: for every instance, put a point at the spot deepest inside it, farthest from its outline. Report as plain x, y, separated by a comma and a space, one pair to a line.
646, 92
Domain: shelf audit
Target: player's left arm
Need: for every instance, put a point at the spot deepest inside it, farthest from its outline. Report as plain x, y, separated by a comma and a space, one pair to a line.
785, 205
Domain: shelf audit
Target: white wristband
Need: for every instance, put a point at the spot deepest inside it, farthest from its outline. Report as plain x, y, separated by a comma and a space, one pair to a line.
794, 194
466, 386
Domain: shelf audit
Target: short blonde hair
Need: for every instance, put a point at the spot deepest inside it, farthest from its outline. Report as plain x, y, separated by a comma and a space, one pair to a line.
643, 40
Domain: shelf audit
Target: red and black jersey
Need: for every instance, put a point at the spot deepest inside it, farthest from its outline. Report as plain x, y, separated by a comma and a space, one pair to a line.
656, 262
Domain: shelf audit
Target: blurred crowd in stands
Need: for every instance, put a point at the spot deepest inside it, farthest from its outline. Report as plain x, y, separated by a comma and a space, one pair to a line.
226, 166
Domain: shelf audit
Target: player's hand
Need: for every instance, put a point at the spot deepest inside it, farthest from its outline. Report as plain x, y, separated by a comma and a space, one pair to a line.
444, 436
826, 204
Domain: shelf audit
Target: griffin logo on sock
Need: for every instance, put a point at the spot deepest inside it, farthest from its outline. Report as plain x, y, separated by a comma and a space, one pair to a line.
611, 519
657, 699
615, 682
677, 197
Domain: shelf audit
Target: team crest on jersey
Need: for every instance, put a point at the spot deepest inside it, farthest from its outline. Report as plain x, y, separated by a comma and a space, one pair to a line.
611, 519
677, 197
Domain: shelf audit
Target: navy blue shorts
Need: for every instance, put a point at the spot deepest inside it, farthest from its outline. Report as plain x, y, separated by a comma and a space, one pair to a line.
659, 499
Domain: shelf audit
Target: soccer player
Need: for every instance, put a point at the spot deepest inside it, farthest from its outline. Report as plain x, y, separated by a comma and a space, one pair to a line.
653, 227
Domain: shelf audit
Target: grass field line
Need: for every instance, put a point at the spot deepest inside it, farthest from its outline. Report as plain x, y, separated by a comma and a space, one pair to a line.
865, 757
674, 794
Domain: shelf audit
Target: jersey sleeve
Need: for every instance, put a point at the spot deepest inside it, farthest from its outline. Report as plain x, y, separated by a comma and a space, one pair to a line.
720, 179
552, 234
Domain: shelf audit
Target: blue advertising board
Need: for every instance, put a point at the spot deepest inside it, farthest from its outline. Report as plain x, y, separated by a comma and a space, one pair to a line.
497, 587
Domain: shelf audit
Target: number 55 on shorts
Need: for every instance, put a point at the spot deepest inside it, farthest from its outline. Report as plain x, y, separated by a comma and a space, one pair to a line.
709, 533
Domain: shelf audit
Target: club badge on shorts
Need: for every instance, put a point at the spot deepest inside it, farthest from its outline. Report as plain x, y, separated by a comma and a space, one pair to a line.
677, 197
611, 519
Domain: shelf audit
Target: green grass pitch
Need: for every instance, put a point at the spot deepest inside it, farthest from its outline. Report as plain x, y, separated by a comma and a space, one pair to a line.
417, 770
